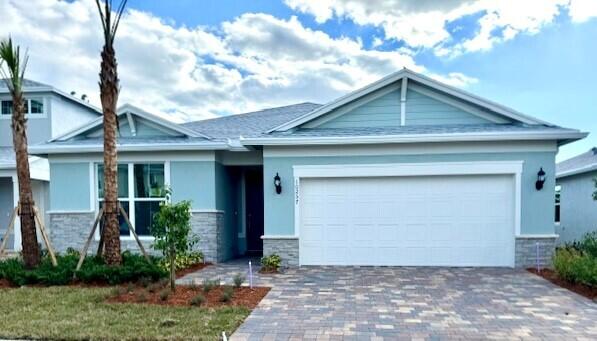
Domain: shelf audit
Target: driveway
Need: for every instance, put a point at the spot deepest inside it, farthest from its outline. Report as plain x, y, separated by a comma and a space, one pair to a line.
364, 303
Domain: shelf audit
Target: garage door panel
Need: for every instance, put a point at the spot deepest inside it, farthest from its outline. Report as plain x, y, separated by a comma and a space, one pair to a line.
411, 221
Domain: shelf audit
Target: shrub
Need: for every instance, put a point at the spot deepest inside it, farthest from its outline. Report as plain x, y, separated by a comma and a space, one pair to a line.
141, 297
238, 280
227, 294
575, 266
182, 261
154, 287
164, 294
588, 244
198, 300
271, 263
208, 285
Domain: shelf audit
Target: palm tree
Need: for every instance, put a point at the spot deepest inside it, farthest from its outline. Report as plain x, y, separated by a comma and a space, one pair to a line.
109, 89
13, 78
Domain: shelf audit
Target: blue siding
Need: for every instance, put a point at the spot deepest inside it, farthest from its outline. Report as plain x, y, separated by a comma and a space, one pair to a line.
537, 206
69, 188
226, 201
578, 210
143, 129
424, 110
194, 181
380, 112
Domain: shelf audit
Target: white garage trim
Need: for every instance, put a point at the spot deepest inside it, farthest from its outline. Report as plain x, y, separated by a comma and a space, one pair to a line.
410, 169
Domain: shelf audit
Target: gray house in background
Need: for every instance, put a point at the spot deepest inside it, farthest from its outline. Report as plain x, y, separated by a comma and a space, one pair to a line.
576, 211
50, 113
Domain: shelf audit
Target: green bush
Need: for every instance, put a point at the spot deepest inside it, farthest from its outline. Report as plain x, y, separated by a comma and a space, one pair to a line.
208, 285
227, 294
182, 261
271, 262
238, 280
93, 270
198, 300
576, 266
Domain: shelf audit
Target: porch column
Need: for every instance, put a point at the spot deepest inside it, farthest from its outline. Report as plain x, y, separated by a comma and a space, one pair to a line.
17, 226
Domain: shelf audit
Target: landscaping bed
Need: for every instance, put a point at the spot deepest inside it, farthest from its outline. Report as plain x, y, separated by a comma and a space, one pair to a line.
579, 288
186, 296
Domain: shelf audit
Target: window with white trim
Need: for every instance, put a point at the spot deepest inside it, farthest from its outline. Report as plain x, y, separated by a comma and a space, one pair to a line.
558, 198
33, 106
140, 192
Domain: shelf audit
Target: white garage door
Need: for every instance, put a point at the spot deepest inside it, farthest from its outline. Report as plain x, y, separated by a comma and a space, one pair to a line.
407, 221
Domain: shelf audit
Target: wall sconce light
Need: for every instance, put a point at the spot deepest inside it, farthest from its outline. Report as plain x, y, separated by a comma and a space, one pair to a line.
278, 183
540, 179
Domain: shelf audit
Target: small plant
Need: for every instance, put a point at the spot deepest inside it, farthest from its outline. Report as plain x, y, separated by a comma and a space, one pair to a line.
198, 300
141, 297
271, 263
164, 294
208, 284
238, 280
118, 291
154, 287
130, 287
193, 286
227, 294
144, 282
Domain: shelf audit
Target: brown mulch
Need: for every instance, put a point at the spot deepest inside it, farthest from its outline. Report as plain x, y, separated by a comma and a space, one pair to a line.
190, 269
243, 296
552, 276
4, 283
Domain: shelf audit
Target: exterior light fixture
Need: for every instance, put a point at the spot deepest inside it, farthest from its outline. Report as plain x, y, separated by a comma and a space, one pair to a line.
540, 179
278, 183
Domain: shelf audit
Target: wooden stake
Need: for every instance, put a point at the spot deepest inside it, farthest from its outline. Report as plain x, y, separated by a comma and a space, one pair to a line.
126, 219
9, 229
89, 238
45, 237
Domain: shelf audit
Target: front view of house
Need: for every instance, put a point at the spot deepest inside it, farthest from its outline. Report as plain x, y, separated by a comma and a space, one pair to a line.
405, 171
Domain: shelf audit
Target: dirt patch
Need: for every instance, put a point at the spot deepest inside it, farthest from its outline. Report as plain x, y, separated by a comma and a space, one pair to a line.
552, 276
243, 296
4, 283
190, 269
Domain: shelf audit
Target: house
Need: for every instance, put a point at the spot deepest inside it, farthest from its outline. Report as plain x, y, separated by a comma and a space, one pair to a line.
50, 113
405, 171
576, 211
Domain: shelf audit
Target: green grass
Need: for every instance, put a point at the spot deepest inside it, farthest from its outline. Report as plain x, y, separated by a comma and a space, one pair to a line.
66, 313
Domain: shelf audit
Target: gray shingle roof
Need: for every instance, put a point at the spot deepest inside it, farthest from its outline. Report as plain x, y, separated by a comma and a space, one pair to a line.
582, 163
132, 141
27, 83
250, 124
422, 129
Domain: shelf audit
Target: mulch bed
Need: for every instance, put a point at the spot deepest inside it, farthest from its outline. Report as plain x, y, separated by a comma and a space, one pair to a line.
4, 283
552, 276
190, 269
243, 296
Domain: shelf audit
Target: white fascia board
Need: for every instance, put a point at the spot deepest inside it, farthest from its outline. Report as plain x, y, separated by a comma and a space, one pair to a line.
42, 150
579, 170
413, 138
40, 89
78, 130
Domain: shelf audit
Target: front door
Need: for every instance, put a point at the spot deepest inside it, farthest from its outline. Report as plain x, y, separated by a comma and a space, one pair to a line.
254, 211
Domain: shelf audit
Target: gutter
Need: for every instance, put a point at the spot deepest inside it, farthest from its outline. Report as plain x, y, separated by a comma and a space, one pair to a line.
49, 149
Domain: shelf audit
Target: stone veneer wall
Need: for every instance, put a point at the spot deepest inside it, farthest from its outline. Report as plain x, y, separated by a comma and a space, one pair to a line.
526, 252
287, 249
72, 229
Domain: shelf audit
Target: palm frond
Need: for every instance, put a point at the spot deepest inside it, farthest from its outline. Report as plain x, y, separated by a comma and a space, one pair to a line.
10, 55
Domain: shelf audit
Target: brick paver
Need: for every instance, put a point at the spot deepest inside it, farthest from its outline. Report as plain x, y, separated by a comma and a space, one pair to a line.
377, 303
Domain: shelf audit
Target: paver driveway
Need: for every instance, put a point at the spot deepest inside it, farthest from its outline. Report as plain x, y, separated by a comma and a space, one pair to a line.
393, 302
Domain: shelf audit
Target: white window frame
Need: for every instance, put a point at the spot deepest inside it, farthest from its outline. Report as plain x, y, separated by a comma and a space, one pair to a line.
131, 199
28, 114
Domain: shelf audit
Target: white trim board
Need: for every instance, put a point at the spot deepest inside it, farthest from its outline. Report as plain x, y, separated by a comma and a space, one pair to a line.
412, 169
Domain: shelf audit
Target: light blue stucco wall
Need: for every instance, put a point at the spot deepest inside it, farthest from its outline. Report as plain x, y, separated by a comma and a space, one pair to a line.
194, 181
226, 184
578, 210
537, 206
69, 188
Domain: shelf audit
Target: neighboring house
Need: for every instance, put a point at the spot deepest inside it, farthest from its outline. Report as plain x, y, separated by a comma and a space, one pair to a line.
50, 113
576, 211
405, 171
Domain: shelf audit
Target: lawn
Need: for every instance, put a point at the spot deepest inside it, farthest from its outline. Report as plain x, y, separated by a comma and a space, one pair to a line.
72, 313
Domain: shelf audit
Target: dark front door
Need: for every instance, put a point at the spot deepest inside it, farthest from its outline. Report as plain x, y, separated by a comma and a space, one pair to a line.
254, 211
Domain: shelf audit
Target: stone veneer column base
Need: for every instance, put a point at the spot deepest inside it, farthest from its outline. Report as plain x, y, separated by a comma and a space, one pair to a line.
526, 251
286, 248
209, 227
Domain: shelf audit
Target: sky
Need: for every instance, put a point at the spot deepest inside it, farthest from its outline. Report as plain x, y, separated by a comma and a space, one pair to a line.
189, 60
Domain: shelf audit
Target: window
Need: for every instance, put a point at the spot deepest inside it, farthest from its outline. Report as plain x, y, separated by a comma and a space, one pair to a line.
32, 107
557, 213
140, 192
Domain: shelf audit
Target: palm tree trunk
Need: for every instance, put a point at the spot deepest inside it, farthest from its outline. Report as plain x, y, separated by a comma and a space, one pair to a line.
109, 96
31, 253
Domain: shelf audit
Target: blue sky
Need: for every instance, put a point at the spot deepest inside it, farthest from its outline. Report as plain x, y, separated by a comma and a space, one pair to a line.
195, 59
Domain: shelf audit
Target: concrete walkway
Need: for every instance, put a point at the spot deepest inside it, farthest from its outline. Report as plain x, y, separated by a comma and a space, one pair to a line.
374, 303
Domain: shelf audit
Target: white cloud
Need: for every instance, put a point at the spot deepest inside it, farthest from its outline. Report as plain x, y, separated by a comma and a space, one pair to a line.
423, 23
251, 62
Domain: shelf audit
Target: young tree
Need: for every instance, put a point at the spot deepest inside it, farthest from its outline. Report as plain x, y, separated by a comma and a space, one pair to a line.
171, 229
13, 77
109, 89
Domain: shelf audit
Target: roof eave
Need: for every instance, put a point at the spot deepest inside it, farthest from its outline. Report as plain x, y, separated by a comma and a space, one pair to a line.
576, 171
412, 138
49, 149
